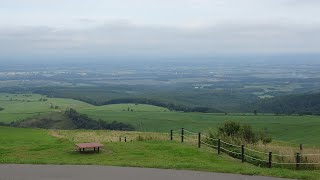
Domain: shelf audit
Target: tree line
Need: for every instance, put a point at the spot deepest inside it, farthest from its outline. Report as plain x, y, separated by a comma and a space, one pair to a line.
82, 121
96, 96
295, 104
170, 106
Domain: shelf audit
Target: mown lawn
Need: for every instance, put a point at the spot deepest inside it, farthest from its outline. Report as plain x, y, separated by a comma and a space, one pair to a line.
35, 146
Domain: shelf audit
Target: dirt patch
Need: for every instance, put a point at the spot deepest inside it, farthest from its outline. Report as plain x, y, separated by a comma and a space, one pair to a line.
56, 134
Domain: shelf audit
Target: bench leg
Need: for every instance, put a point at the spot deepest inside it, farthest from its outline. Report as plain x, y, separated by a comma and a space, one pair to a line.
83, 149
98, 149
94, 149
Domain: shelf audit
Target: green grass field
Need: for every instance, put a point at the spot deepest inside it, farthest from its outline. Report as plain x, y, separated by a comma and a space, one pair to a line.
295, 129
292, 129
36, 146
18, 107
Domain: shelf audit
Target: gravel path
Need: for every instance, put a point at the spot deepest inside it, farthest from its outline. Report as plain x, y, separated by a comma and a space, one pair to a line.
67, 172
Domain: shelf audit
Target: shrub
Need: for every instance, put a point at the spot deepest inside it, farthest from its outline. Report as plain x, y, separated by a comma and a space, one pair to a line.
230, 128
235, 132
265, 138
1, 109
145, 138
248, 134
4, 124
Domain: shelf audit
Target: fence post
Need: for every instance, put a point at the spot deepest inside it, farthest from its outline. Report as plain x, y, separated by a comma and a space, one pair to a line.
298, 161
301, 147
182, 134
119, 139
125, 139
242, 153
270, 160
199, 140
219, 145
171, 135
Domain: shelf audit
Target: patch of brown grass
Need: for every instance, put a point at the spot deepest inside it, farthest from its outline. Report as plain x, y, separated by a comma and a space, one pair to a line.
82, 136
55, 134
287, 154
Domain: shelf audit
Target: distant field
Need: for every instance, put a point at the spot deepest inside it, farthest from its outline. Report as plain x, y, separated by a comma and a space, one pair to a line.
125, 107
38, 146
292, 129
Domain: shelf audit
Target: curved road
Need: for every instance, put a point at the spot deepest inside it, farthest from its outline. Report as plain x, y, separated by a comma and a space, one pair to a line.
67, 172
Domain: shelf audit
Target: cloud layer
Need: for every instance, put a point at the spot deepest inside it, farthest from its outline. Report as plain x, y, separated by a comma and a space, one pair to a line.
198, 28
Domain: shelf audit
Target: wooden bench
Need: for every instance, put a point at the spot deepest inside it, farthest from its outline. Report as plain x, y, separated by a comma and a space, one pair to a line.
93, 145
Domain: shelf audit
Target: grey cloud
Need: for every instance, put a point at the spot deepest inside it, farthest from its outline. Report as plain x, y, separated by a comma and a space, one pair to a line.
302, 2
124, 38
86, 20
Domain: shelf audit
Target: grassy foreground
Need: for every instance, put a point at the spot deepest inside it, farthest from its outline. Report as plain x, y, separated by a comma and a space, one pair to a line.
35, 146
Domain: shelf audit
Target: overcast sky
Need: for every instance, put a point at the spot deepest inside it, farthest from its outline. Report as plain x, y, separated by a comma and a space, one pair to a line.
64, 28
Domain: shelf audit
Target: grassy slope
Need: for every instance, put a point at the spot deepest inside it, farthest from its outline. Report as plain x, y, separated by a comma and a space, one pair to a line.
52, 120
19, 108
294, 129
37, 146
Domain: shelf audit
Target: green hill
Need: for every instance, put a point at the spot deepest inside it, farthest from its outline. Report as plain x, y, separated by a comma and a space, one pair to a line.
53, 120
15, 107
70, 119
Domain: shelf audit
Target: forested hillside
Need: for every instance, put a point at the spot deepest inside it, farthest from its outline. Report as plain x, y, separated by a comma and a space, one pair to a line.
291, 104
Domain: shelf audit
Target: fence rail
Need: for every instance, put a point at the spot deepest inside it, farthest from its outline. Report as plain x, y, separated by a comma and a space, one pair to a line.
240, 151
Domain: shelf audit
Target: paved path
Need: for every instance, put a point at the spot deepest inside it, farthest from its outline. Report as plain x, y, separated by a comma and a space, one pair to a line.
67, 172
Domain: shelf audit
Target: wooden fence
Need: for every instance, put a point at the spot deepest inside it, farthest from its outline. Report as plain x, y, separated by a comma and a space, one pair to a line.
242, 152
